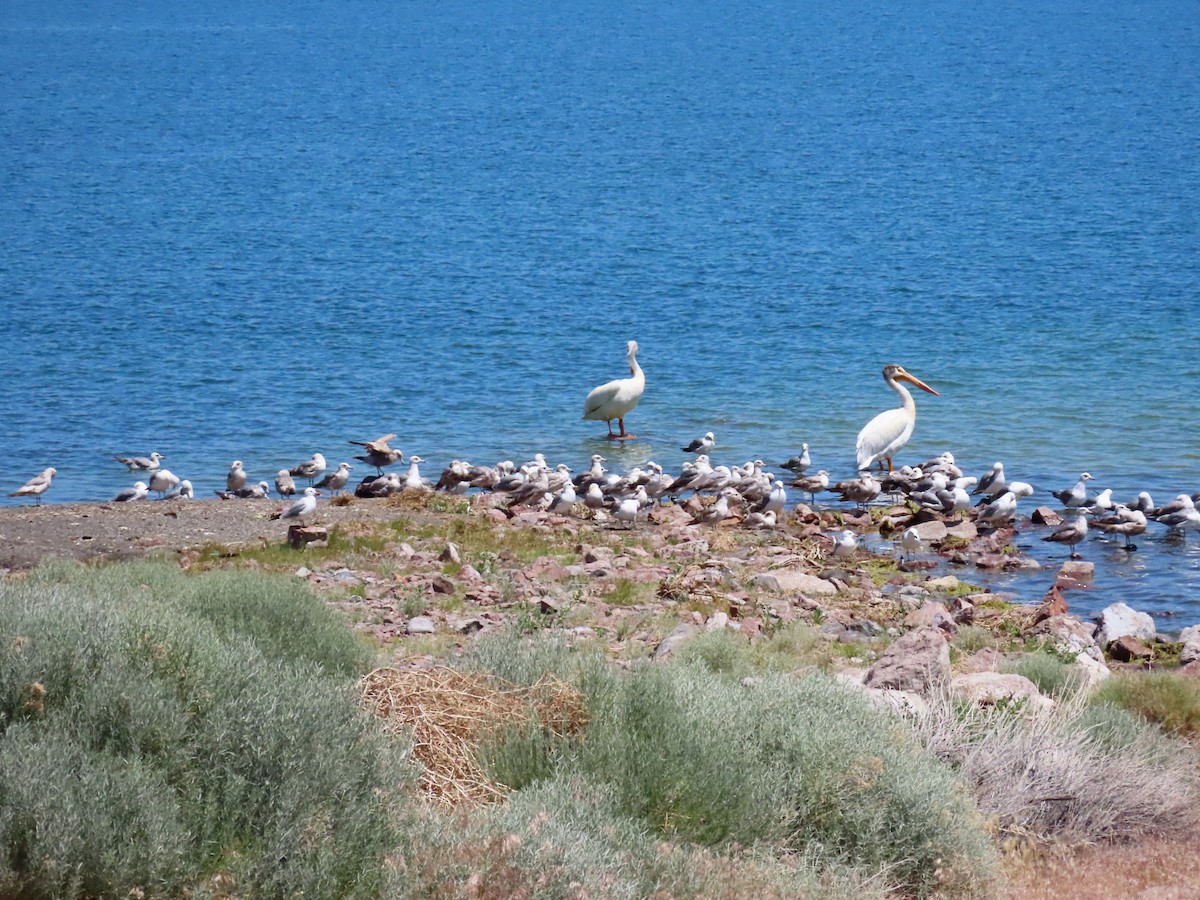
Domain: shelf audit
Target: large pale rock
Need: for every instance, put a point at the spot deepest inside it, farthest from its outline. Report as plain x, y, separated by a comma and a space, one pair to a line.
990, 688
946, 584
793, 581
676, 639
932, 615
1119, 620
918, 661
1093, 672
904, 703
932, 531
420, 625
1068, 633
1191, 644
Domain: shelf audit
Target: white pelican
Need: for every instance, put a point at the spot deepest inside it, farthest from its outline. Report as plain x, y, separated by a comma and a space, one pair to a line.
891, 429
1070, 534
701, 444
617, 399
302, 508
141, 463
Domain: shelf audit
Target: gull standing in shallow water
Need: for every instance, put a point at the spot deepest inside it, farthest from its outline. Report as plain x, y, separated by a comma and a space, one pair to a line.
890, 430
617, 399
1070, 534
140, 463
701, 444
37, 485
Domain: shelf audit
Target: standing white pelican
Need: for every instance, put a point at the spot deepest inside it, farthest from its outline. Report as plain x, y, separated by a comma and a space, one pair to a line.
617, 399
891, 429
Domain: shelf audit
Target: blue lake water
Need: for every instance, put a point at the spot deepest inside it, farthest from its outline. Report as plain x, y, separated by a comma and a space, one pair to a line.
249, 230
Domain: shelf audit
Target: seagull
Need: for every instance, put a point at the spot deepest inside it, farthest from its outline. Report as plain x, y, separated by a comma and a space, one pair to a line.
812, 484
140, 463
910, 542
564, 502
617, 399
890, 430
1101, 503
36, 486
337, 479
137, 492
260, 491
761, 520
1123, 520
701, 444
718, 512
594, 498
284, 484
992, 484
184, 492
162, 481
799, 463
1181, 520
1077, 495
1179, 504
844, 545
860, 490
1070, 534
413, 480
379, 454
627, 510
236, 477
311, 469
379, 485
1004, 508
302, 508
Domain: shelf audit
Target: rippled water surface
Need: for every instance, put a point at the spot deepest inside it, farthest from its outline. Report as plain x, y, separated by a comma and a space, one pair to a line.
249, 230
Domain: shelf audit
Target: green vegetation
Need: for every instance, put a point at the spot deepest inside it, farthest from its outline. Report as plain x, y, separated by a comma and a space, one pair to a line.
1169, 701
159, 730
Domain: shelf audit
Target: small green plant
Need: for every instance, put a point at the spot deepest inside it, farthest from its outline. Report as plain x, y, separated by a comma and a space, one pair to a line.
415, 603
1169, 701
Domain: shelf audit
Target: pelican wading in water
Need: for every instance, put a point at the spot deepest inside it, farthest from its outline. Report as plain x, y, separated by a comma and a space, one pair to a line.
891, 429
617, 399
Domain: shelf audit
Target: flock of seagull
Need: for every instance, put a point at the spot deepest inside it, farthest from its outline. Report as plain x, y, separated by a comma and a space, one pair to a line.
749, 493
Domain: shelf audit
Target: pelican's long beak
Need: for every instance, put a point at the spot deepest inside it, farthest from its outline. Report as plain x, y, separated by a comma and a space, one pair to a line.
904, 376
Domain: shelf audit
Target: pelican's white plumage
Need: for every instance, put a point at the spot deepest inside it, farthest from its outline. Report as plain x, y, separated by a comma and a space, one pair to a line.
891, 429
617, 399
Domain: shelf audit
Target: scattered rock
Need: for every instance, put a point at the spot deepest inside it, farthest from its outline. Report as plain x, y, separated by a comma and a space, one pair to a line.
301, 535
1093, 671
1053, 604
904, 703
919, 661
1118, 620
1127, 648
1191, 644
932, 615
794, 581
441, 584
420, 625
1044, 515
986, 660
990, 688
947, 584
451, 554
673, 641
1069, 634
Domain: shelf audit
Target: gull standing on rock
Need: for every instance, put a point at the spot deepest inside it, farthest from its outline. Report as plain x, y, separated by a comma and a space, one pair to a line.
337, 479
617, 399
37, 485
140, 463
701, 444
311, 469
305, 506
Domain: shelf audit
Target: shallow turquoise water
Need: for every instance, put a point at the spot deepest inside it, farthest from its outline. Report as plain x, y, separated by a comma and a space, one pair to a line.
234, 230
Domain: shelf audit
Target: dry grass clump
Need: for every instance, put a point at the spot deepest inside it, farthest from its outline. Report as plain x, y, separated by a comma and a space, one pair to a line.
1070, 777
449, 713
